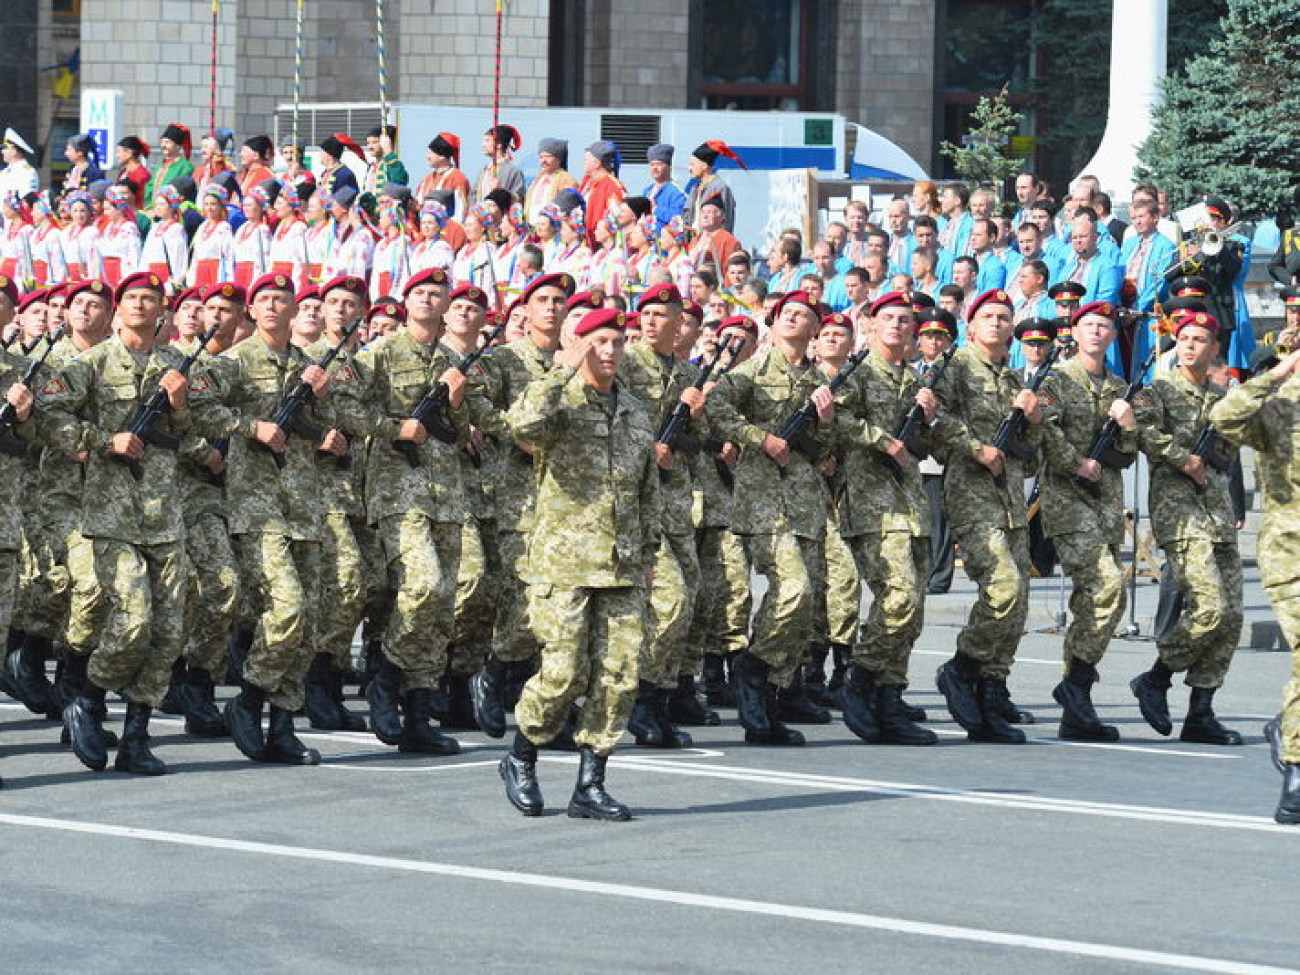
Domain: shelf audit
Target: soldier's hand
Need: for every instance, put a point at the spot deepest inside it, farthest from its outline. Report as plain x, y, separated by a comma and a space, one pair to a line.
729, 454
1195, 469
454, 380
928, 402
991, 458
1287, 367
318, 380
215, 462
900, 454
1027, 402
176, 387
574, 354
22, 400
828, 466
776, 448
269, 435
1121, 411
664, 456
694, 399
334, 443
414, 431
1090, 470
126, 444
824, 400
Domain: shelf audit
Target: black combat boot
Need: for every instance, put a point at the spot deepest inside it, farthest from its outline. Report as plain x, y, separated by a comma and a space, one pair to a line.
1201, 726
348, 720
84, 724
487, 688
283, 746
1079, 721
958, 682
684, 705
198, 698
460, 705
914, 712
1152, 692
1010, 710
368, 663
418, 735
673, 737
995, 728
244, 718
519, 772
840, 659
857, 703
318, 698
814, 676
25, 670
643, 725
717, 688
750, 675
241, 641
1288, 807
1273, 735
172, 702
896, 728
590, 800
133, 754
778, 734
383, 693
794, 705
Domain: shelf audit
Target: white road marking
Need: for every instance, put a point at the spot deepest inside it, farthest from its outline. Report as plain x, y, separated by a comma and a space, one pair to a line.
793, 912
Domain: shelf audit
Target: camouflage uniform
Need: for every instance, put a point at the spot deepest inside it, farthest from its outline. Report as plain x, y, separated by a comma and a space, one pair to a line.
1195, 528
11, 514
595, 534
843, 586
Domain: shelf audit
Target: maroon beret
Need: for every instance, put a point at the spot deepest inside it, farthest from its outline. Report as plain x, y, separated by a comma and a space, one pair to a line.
140, 280
430, 275
599, 318
470, 292
994, 296
564, 282
659, 294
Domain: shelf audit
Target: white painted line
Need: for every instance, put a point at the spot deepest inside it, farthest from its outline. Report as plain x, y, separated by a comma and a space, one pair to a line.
1019, 659
793, 912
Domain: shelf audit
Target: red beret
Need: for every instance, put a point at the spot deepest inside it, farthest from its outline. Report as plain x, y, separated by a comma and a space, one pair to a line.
633, 321
388, 307
693, 309
470, 292
9, 288
601, 318
189, 294
309, 293
270, 282
349, 283
97, 288
742, 322
659, 294
564, 282
38, 297
586, 299
430, 275
1200, 319
1103, 308
994, 296
224, 290
887, 300
140, 280
838, 320
796, 298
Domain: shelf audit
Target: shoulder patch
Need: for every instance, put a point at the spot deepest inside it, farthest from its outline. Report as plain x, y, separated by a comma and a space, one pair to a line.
200, 383
55, 387
344, 374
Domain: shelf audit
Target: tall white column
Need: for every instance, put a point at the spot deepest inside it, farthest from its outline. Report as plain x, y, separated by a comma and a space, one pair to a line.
1138, 58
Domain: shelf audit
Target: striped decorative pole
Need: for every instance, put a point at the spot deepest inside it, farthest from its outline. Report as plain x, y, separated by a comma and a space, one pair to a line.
297, 71
383, 62
212, 81
496, 71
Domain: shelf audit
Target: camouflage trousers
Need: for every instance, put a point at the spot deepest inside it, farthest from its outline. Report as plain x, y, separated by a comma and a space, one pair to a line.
46, 583
86, 601
143, 631
10, 570
592, 641
344, 581
672, 597
212, 595
997, 561
423, 557
1287, 609
786, 621
1204, 639
512, 633
720, 621
1097, 597
477, 586
895, 566
281, 579
843, 590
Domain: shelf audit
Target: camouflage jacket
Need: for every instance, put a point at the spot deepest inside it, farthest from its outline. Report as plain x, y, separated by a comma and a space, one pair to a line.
95, 395
975, 395
202, 495
753, 400
228, 401
478, 473
874, 496
597, 517
1171, 412
391, 378
58, 479
1265, 414
14, 469
341, 480
1074, 409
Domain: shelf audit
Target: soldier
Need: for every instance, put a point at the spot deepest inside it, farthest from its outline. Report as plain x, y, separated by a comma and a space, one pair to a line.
514, 647
780, 508
275, 516
985, 497
1083, 507
131, 515
416, 501
1192, 519
591, 561
1265, 414
883, 515
936, 331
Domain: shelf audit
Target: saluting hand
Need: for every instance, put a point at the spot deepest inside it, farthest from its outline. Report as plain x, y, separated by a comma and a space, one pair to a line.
574, 354
1287, 367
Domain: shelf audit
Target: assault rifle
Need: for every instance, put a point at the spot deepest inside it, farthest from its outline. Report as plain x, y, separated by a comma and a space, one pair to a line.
795, 430
672, 432
290, 417
909, 426
10, 443
1102, 449
1212, 449
1011, 430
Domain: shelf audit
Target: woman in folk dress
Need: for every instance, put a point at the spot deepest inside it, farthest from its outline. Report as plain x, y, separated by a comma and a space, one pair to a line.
431, 248
353, 246
474, 262
166, 252
213, 258
609, 262
81, 238
48, 263
252, 243
392, 260
319, 235
16, 242
574, 258
289, 250
546, 233
515, 232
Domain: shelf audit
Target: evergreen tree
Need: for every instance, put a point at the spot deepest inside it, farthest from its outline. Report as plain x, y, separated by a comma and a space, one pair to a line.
1229, 123
983, 158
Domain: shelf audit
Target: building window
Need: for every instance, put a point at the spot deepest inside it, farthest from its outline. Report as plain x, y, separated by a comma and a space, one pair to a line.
755, 54
67, 9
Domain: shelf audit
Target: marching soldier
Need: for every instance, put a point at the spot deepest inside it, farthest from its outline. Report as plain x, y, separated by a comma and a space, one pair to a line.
1192, 519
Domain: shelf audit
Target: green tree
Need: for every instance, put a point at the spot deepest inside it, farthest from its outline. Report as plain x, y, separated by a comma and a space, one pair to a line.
1229, 123
983, 158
